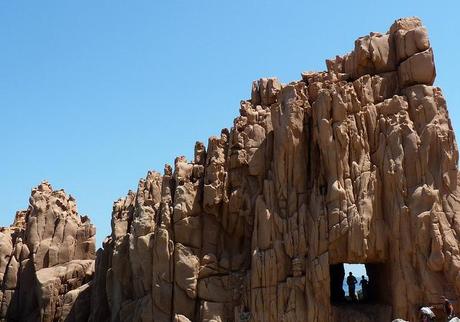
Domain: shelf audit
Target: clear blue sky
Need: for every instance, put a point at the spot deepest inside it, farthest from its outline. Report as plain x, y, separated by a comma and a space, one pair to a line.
95, 93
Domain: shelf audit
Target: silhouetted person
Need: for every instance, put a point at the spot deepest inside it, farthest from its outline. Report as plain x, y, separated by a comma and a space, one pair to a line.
365, 287
351, 282
448, 308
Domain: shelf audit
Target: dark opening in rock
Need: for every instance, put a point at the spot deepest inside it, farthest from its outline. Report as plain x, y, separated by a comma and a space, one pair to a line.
369, 283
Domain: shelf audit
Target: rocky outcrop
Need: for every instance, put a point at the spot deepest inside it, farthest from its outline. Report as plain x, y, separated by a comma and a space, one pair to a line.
357, 164
47, 260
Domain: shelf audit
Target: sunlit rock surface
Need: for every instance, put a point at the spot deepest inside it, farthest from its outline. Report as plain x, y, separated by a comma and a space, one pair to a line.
47, 260
357, 164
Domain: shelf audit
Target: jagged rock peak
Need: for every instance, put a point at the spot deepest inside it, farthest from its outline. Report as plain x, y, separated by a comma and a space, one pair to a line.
46, 259
356, 164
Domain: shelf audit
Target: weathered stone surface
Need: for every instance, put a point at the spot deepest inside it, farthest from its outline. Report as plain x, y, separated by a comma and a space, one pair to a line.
357, 164
354, 165
417, 69
46, 260
59, 286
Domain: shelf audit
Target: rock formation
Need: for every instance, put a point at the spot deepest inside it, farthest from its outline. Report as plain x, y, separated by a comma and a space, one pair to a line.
357, 164
46, 260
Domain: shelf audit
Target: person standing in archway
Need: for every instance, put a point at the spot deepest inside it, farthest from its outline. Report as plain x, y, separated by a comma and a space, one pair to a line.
351, 282
364, 286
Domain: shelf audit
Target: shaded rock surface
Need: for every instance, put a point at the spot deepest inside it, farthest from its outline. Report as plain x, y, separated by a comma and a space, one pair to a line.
47, 260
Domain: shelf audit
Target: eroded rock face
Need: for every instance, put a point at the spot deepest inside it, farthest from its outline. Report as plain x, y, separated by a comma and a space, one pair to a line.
47, 260
357, 164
